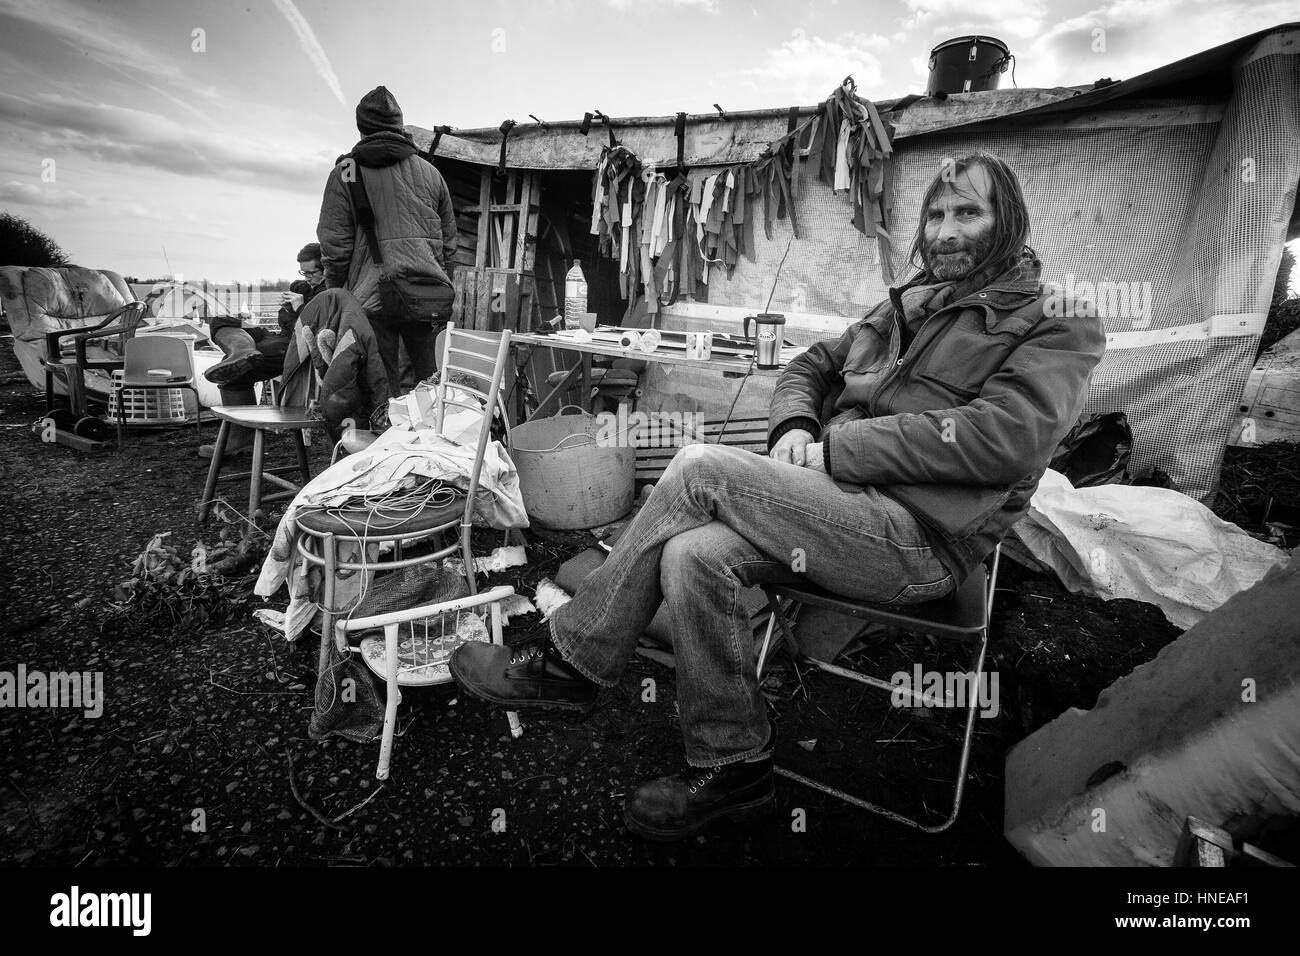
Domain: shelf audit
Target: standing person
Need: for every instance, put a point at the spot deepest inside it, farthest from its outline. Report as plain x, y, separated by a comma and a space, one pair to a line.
256, 355
899, 455
415, 228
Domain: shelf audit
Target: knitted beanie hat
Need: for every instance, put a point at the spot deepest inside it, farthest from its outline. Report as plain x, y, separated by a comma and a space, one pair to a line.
378, 111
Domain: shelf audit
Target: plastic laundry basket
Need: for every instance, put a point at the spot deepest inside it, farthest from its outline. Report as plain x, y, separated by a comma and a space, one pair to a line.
569, 480
147, 406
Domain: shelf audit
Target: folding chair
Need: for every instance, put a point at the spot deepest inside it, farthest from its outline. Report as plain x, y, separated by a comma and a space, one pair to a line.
963, 615
154, 362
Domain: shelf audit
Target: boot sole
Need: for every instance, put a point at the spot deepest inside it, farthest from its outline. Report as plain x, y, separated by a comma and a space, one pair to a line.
221, 374
571, 706
753, 810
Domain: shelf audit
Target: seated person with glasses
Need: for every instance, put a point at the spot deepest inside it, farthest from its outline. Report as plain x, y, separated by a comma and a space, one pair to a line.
256, 355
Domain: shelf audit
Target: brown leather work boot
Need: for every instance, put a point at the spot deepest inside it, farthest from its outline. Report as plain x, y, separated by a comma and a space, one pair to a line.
677, 807
527, 675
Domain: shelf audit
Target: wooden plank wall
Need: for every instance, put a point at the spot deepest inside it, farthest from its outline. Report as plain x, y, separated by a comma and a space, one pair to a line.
463, 180
495, 289
657, 446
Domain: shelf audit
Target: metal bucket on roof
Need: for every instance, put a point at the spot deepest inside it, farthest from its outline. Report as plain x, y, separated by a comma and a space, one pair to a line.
970, 64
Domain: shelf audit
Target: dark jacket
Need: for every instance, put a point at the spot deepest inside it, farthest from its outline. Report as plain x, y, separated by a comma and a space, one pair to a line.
287, 316
334, 343
414, 218
960, 427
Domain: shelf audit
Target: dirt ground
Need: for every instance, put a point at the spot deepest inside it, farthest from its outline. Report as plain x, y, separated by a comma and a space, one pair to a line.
210, 725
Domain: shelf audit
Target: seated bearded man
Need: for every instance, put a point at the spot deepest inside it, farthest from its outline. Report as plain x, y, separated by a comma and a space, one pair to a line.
943, 406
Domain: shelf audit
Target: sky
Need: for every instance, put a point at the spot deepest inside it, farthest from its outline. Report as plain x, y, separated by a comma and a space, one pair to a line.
159, 137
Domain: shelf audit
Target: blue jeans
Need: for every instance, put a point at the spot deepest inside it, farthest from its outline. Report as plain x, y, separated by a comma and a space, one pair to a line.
720, 520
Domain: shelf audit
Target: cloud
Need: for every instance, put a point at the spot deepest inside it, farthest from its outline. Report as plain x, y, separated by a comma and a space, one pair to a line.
808, 68
707, 6
62, 125
29, 194
52, 197
1022, 18
311, 46
89, 33
1067, 52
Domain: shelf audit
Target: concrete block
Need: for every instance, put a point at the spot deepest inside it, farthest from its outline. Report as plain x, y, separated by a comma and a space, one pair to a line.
1210, 728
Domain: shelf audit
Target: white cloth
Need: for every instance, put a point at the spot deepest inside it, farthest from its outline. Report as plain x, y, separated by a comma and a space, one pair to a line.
843, 175
1148, 544
598, 202
399, 459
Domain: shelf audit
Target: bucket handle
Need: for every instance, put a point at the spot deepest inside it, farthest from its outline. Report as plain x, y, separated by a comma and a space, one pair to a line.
558, 445
561, 409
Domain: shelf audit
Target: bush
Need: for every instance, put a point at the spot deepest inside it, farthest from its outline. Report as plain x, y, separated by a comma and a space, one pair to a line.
22, 244
1283, 312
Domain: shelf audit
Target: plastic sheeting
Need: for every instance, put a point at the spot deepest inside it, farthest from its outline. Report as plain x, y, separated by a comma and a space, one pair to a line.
709, 139
1146, 544
1174, 210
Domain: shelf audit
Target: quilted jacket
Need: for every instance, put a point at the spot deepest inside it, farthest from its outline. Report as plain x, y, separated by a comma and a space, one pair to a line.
959, 426
414, 218
333, 342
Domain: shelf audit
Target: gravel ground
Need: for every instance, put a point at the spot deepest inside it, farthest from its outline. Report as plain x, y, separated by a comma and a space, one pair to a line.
191, 761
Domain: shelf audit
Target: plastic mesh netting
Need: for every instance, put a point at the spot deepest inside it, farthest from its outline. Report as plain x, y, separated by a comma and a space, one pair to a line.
1174, 211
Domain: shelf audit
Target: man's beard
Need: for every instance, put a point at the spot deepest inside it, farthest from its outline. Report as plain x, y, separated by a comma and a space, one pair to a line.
961, 261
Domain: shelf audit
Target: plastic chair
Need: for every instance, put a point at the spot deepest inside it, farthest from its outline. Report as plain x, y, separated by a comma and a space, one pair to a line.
324, 530
154, 362
71, 365
963, 615
396, 675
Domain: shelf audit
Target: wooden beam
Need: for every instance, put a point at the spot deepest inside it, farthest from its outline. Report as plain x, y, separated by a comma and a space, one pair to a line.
484, 218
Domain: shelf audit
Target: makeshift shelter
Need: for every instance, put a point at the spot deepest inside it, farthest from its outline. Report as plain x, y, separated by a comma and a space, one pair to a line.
1165, 198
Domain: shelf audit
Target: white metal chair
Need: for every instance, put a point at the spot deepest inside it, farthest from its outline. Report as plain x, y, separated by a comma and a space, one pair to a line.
427, 665
325, 531
475, 350
963, 615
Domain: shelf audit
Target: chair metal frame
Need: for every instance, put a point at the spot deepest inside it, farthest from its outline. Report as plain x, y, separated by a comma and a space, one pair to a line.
487, 343
391, 623
479, 345
181, 377
321, 548
919, 618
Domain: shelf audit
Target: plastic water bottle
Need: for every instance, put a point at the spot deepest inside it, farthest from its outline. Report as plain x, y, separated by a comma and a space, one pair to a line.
575, 297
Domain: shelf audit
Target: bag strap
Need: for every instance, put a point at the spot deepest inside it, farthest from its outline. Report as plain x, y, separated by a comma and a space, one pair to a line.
365, 215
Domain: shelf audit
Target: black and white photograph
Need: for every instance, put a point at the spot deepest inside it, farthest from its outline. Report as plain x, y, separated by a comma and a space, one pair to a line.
572, 435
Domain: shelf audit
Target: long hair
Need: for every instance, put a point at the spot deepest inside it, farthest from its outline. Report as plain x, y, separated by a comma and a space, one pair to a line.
1010, 214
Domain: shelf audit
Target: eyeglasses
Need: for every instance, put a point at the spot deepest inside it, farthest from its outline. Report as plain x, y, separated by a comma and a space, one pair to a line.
310, 272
